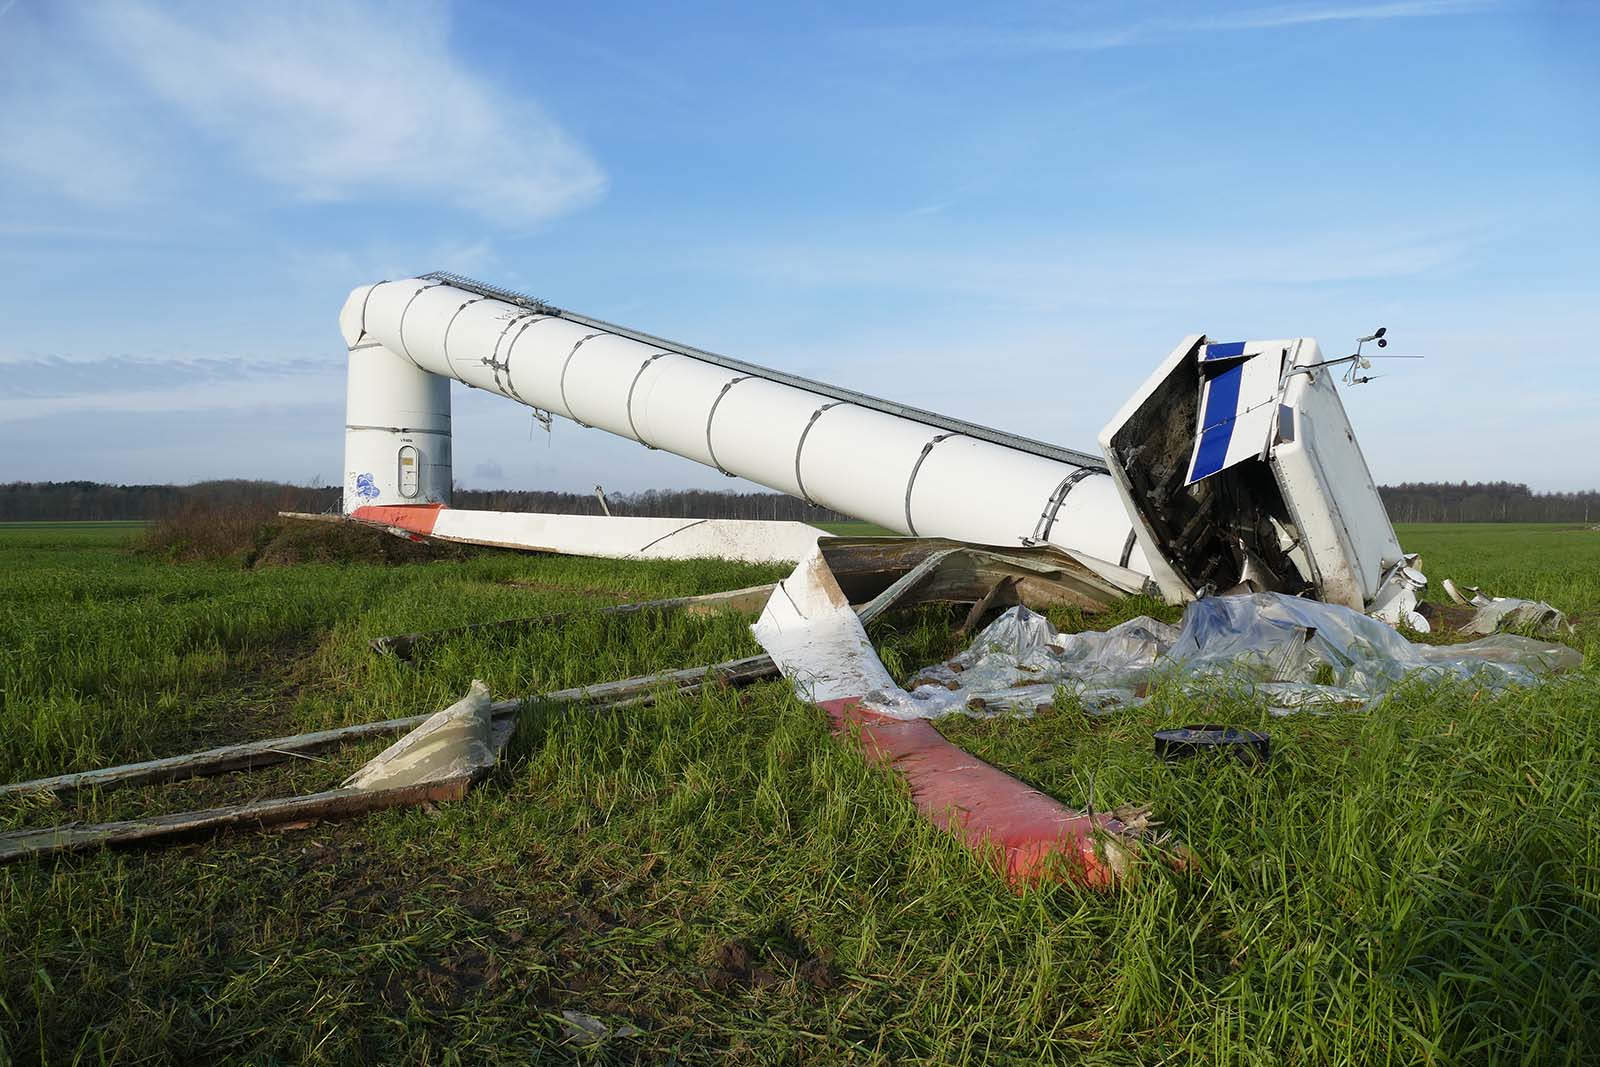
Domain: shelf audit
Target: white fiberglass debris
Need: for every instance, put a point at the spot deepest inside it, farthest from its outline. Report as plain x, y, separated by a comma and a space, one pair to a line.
582, 1029
453, 743
1506, 612
1287, 651
814, 636
1396, 599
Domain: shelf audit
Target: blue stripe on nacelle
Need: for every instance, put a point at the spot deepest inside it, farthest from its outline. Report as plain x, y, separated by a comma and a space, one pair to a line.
1225, 350
1222, 407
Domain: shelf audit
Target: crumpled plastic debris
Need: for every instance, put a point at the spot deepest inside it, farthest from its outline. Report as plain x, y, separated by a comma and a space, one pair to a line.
1290, 652
1015, 664
582, 1029
1496, 613
456, 742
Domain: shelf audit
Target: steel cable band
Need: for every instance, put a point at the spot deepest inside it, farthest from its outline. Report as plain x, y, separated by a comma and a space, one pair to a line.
713, 414
505, 365
911, 482
927, 418
445, 344
1047, 518
800, 483
564, 366
1127, 546
396, 429
631, 387
404, 311
364, 302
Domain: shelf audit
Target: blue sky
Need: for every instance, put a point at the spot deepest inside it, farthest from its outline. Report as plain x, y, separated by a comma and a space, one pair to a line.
1007, 213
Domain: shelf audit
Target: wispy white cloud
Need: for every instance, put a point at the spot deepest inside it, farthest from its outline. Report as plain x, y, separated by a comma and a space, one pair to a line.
1043, 274
942, 41
1267, 18
64, 130
331, 101
53, 386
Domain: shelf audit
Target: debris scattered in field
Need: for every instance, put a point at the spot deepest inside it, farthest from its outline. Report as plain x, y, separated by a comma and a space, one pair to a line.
1289, 651
876, 571
818, 640
748, 600
1015, 664
332, 803
438, 760
819, 643
1247, 746
581, 1029
280, 812
251, 754
1507, 612
457, 742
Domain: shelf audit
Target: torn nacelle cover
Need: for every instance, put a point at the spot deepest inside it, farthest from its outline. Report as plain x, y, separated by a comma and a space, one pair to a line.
1239, 467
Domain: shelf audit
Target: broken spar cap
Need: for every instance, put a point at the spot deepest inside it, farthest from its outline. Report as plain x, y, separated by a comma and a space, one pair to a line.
1289, 506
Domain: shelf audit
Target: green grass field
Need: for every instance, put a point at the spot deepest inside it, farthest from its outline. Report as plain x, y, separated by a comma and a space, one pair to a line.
1417, 884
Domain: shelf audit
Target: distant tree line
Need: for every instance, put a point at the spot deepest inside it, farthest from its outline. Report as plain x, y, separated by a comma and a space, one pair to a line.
69, 501
655, 503
1486, 502
79, 501
66, 501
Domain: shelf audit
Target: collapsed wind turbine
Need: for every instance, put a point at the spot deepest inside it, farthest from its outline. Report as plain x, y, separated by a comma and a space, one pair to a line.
1233, 464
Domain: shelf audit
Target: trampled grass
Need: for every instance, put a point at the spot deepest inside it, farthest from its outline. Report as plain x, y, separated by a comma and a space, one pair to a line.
1418, 884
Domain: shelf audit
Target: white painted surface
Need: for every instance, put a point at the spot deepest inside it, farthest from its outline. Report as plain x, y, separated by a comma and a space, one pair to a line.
1252, 410
391, 404
853, 459
1297, 422
619, 537
1173, 586
408, 337
1325, 479
815, 638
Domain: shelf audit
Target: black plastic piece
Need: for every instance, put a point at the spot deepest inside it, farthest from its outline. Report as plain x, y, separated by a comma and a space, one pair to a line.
1248, 746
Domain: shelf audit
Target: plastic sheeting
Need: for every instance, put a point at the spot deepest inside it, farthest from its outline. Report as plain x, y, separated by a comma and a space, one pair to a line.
458, 742
818, 641
1289, 652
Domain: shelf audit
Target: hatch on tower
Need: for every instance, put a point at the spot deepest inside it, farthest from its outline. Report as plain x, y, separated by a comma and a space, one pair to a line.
410, 478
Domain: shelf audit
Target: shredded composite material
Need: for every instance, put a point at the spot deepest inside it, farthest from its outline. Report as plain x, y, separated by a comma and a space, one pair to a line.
1287, 652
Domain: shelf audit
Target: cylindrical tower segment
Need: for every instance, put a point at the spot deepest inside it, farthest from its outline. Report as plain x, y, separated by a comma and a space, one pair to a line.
909, 471
397, 424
